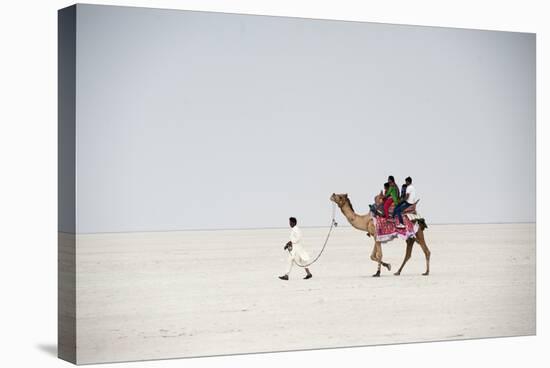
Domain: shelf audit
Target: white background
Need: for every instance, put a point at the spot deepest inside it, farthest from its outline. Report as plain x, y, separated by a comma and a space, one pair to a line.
28, 149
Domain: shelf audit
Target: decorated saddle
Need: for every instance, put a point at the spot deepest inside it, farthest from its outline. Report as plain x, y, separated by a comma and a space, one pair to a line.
386, 229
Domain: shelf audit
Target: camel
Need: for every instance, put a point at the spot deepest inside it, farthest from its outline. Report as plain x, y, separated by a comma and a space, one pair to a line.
366, 223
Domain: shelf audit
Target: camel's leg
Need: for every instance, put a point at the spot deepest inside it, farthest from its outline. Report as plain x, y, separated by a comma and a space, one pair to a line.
371, 231
410, 243
420, 240
373, 253
377, 274
376, 256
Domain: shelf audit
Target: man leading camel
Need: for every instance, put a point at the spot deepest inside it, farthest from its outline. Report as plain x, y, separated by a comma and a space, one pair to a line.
410, 199
296, 252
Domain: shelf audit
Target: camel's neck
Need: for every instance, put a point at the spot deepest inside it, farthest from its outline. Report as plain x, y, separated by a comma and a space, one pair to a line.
348, 211
360, 222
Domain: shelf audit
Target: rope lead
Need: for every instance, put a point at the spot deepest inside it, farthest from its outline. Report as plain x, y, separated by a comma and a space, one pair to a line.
333, 224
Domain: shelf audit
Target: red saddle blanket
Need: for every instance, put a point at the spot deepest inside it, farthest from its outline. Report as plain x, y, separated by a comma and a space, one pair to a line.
386, 229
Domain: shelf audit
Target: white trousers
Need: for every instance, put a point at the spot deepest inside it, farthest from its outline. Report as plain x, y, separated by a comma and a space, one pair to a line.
298, 255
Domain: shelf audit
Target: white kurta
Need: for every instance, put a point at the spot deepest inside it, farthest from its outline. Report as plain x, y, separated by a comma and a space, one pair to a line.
297, 254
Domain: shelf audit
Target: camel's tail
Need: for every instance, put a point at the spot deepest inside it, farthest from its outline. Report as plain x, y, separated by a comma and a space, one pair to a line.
416, 218
422, 223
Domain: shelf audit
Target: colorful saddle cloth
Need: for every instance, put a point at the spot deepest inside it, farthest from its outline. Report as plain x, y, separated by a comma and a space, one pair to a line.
386, 229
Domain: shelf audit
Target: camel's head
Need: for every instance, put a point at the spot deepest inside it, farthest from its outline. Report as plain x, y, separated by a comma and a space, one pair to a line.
339, 199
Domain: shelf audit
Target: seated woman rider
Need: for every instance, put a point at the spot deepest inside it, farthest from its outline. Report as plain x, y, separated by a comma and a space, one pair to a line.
391, 197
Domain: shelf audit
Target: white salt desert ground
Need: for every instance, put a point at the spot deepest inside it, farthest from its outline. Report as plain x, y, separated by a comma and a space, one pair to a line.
196, 293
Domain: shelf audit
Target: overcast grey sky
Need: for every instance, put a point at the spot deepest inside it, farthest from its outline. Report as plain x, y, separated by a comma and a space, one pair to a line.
194, 120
